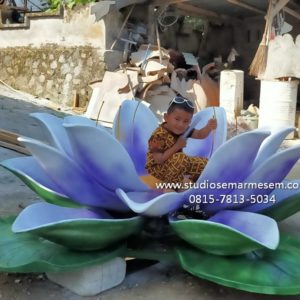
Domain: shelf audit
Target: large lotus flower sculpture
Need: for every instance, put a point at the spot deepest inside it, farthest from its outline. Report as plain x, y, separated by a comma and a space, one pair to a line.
95, 197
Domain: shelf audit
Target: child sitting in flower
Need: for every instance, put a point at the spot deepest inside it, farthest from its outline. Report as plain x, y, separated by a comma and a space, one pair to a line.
165, 159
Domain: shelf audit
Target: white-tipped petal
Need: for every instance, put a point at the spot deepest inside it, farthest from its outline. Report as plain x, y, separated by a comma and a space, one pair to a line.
102, 157
133, 126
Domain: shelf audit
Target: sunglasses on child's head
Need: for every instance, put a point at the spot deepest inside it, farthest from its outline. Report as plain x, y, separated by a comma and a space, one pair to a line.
181, 100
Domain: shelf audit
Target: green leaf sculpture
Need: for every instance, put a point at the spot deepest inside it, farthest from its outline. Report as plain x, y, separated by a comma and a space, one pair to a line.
28, 253
262, 271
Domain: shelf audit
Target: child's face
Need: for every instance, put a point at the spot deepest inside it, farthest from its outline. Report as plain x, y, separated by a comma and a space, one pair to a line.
178, 120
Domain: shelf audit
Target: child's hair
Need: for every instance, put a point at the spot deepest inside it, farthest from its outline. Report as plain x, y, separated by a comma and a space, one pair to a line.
181, 103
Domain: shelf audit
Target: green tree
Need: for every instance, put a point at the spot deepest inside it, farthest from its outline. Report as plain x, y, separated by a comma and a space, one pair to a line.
54, 4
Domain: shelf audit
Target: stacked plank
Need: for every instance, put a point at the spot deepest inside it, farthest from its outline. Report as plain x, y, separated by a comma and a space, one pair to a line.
151, 76
108, 95
160, 80
9, 140
154, 80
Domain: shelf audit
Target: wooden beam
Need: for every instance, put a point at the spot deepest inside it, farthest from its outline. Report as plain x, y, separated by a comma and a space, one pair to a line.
291, 12
278, 7
122, 27
167, 2
15, 148
197, 10
152, 16
9, 137
247, 6
183, 12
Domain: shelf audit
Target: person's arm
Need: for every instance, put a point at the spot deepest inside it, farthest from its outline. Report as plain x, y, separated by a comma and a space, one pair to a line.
205, 131
161, 157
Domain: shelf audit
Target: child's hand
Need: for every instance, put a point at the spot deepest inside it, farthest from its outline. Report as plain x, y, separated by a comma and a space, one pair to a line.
212, 124
206, 130
181, 143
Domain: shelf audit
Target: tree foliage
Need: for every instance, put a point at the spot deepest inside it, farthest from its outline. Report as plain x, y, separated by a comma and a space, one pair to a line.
54, 4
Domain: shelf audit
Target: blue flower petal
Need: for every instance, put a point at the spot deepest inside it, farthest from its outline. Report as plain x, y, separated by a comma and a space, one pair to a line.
28, 167
228, 232
152, 203
261, 229
273, 170
102, 157
271, 144
44, 214
133, 126
80, 120
230, 163
233, 160
70, 177
281, 203
79, 229
207, 146
56, 133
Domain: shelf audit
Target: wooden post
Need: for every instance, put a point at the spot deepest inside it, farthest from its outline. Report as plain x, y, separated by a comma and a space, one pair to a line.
75, 100
122, 27
158, 41
278, 7
151, 24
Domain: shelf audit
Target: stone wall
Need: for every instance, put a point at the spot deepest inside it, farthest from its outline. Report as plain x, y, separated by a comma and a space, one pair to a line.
55, 56
52, 72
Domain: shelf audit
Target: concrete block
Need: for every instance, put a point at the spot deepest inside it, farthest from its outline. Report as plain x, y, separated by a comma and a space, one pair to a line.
232, 91
92, 280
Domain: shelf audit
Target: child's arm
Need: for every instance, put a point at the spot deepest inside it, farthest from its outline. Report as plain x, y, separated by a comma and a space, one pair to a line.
162, 157
205, 131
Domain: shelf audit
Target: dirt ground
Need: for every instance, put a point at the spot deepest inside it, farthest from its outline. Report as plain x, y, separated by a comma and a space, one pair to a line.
159, 281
